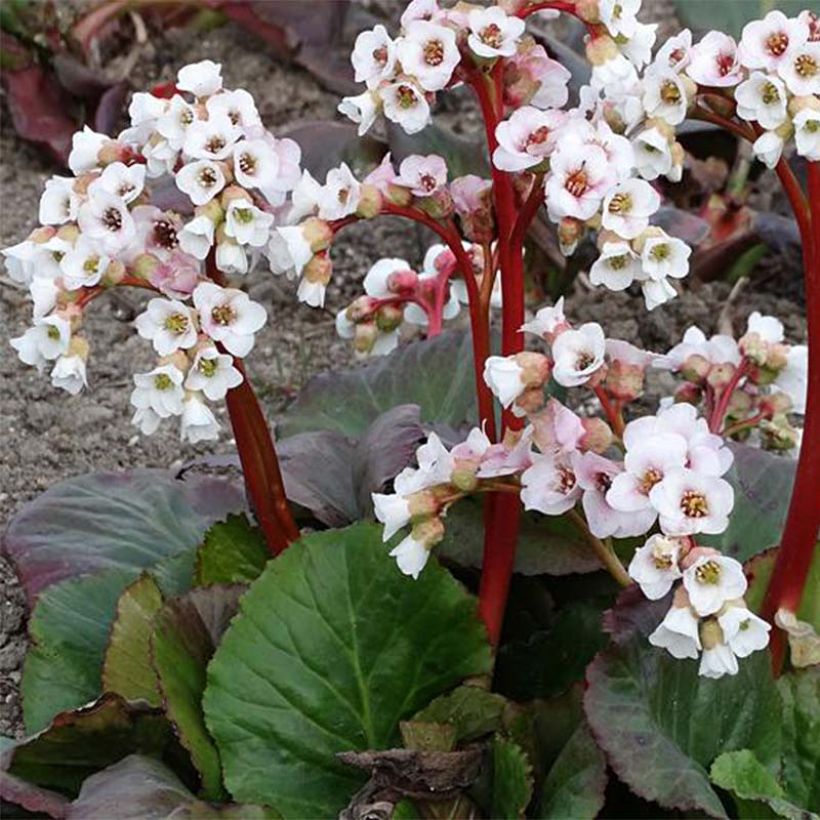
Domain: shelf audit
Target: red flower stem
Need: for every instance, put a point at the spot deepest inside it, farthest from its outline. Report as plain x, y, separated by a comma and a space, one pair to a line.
718, 414
612, 411
744, 424
257, 454
798, 545
534, 201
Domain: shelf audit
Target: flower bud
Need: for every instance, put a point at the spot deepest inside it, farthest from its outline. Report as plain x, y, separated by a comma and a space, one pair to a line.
601, 49
711, 635
144, 266
775, 404
365, 337
740, 404
778, 434
114, 273
422, 505
625, 381
78, 346
688, 393
41, 235
318, 233
318, 270
597, 436
113, 151
429, 532
720, 375
389, 317
439, 205
531, 400
232, 193
68, 233
695, 368
397, 195
798, 104
463, 476
370, 202
212, 210
754, 348
535, 368
360, 308
588, 11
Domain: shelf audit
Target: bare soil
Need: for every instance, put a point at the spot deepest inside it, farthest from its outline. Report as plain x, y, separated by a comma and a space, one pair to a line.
49, 436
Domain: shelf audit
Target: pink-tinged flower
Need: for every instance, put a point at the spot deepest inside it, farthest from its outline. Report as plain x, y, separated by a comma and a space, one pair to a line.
711, 580
176, 276
374, 56
768, 43
550, 485
628, 206
361, 110
429, 53
617, 267
105, 219
339, 196
201, 181
472, 199
493, 33
801, 72
689, 503
157, 232
655, 565
200, 79
595, 474
212, 139
212, 373
674, 54
406, 105
424, 176
665, 97
160, 390
762, 98
85, 149
504, 459
526, 139
238, 106
807, 134
743, 631
548, 322
533, 77
714, 61
678, 633
557, 428
382, 176
420, 10
229, 316
168, 324
718, 349
580, 177
198, 422
578, 354
84, 265
389, 276
47, 340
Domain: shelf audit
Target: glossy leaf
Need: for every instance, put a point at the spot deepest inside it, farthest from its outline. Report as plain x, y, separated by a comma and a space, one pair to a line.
186, 633
512, 779
113, 520
127, 666
232, 552
332, 648
436, 374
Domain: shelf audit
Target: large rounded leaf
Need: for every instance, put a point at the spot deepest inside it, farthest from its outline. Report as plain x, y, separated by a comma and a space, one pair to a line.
333, 646
116, 520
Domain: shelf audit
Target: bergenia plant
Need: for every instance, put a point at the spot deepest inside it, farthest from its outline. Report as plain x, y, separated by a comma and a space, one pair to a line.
337, 657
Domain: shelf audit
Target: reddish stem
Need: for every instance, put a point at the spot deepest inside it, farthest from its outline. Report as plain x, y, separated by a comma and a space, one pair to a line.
722, 404
800, 534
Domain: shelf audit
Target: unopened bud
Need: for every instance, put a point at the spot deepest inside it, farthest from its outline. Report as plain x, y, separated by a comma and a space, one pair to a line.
695, 368
398, 195
144, 266
389, 317
439, 205
711, 635
370, 202
112, 151
365, 337
597, 436
114, 273
68, 233
798, 104
233, 193
740, 404
688, 393
531, 400
360, 308
318, 270
78, 346
429, 532
601, 49
464, 476
178, 359
625, 381
775, 404
422, 505
212, 210
778, 434
720, 375
318, 233
535, 368
588, 11
754, 348
41, 235
402, 281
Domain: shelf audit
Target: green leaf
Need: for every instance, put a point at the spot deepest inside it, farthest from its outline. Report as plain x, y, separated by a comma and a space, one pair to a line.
437, 374
574, 786
187, 632
661, 725
730, 17
139, 787
472, 711
127, 666
333, 646
78, 743
800, 691
117, 520
546, 544
512, 780
232, 552
763, 485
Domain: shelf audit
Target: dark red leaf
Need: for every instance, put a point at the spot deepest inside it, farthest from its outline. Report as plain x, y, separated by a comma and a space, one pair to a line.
109, 109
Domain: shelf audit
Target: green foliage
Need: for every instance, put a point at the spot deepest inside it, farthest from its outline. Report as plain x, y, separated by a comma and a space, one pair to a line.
332, 648
731, 15
232, 552
512, 779
472, 711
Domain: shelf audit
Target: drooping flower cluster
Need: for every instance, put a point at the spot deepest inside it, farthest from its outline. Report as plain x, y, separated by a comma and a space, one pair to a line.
103, 227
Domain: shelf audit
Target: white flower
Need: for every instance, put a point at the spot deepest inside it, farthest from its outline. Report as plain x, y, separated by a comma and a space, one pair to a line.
768, 148
628, 206
201, 79
617, 267
550, 485
361, 109
678, 633
653, 154
123, 181
502, 374
807, 134
198, 423
770, 42
769, 328
429, 53
213, 138
231, 258
714, 61
674, 54
175, 122
145, 109
411, 556
247, 224
657, 292
547, 321
391, 510
420, 10
638, 48
614, 72
718, 661
197, 237
689, 502
288, 251
762, 98
160, 391
405, 104
160, 158
44, 293
526, 139
84, 265
578, 354
168, 324
373, 57
619, 16
238, 105
104, 218
665, 256
743, 631
255, 164
794, 378
201, 180
719, 349
493, 33
424, 176
435, 467
58, 203
311, 292
801, 71
85, 147
46, 340
229, 316
377, 281
665, 97
655, 566
212, 373
340, 194
69, 374
580, 176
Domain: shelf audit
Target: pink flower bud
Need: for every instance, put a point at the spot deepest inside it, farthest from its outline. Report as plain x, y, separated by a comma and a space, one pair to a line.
389, 317
720, 375
597, 435
696, 368
370, 202
317, 233
625, 381
688, 393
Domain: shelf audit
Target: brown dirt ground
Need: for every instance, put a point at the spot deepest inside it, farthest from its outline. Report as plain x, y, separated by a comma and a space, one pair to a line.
49, 437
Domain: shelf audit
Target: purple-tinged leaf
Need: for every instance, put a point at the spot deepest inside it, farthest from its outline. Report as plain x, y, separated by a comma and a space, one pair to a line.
681, 224
35, 799
110, 107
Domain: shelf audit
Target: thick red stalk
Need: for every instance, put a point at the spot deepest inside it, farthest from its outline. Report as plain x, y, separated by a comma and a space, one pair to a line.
798, 544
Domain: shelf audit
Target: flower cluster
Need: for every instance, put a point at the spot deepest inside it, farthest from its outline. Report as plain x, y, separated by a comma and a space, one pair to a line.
102, 228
